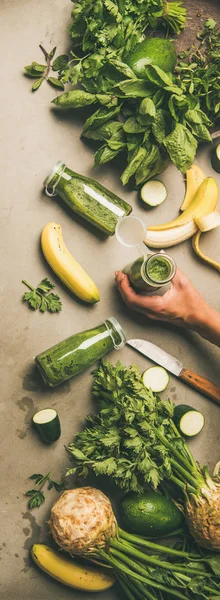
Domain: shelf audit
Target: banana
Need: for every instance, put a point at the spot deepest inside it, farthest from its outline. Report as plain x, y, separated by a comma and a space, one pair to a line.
170, 237
65, 266
204, 202
67, 571
194, 177
200, 253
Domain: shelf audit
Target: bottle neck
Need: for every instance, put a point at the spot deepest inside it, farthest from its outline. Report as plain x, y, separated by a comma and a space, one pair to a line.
116, 332
52, 181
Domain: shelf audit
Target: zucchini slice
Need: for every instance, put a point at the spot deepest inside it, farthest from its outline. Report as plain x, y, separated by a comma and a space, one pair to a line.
153, 192
47, 423
216, 159
188, 420
156, 379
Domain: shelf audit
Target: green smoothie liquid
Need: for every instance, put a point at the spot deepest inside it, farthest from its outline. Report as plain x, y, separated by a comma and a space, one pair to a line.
159, 269
87, 198
79, 351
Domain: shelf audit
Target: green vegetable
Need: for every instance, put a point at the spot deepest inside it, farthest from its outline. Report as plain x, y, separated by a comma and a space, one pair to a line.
82, 523
47, 423
150, 514
216, 158
188, 420
134, 440
156, 378
157, 51
41, 297
153, 192
36, 496
42, 72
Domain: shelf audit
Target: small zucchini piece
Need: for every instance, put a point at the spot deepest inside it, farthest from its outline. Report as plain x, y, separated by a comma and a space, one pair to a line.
156, 379
215, 160
188, 420
153, 192
47, 423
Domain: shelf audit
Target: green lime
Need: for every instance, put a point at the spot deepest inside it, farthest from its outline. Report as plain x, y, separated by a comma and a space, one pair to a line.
150, 514
156, 51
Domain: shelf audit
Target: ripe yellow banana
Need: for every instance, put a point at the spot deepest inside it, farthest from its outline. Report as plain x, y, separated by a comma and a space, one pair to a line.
91, 579
194, 177
65, 266
170, 237
204, 202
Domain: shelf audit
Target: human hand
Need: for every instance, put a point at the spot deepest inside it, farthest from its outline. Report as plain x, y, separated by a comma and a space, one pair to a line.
181, 305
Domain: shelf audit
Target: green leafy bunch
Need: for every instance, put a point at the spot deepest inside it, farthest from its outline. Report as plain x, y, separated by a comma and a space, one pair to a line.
199, 70
150, 120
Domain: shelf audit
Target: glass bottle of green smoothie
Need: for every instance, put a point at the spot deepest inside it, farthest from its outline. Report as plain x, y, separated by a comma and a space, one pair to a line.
74, 354
87, 198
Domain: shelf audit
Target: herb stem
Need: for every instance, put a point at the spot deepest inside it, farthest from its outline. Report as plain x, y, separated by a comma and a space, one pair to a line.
28, 285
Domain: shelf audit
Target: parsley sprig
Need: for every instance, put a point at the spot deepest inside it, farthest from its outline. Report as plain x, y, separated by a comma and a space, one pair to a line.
37, 497
41, 297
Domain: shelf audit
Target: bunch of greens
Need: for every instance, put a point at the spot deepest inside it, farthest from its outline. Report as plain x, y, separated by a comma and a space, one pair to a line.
118, 25
41, 297
149, 120
133, 440
199, 70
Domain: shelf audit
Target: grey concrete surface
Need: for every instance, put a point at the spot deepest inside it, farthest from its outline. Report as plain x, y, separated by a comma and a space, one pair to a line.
33, 138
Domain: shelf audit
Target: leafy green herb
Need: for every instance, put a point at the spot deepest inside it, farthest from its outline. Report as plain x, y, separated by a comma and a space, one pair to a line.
37, 497
36, 69
41, 297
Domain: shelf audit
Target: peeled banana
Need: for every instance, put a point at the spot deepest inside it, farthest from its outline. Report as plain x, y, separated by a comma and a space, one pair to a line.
67, 571
170, 237
65, 266
194, 177
204, 202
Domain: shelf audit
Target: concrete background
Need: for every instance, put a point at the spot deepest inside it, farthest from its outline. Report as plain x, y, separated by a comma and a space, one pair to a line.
33, 138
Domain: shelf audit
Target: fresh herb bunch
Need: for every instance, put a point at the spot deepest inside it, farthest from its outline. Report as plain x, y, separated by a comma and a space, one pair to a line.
199, 70
107, 25
41, 297
36, 496
133, 440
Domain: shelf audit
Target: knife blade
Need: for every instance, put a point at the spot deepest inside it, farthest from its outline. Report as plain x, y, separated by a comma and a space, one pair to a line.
175, 367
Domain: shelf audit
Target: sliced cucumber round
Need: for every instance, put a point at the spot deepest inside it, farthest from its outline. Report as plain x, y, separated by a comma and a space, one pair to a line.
156, 379
188, 420
216, 158
153, 192
47, 423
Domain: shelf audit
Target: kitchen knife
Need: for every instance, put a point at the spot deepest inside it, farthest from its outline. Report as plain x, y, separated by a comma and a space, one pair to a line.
173, 365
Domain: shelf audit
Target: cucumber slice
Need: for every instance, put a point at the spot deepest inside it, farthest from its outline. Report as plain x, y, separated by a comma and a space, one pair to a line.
188, 420
216, 158
156, 379
47, 423
153, 192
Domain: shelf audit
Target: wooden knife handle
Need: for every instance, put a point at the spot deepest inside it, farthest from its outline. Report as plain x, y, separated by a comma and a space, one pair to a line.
201, 384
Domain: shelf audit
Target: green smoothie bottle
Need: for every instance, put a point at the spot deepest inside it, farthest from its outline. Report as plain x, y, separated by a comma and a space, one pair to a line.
87, 198
79, 351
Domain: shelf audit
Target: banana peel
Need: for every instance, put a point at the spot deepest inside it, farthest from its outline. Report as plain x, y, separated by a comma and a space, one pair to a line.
194, 177
204, 202
200, 253
65, 266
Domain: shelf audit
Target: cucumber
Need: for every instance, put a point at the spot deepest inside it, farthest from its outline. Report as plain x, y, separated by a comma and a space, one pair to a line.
153, 192
47, 423
156, 379
150, 514
188, 420
215, 160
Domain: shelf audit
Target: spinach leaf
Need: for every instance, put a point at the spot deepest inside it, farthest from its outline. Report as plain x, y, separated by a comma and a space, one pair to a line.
133, 165
100, 117
132, 126
74, 99
181, 146
104, 132
136, 88
105, 154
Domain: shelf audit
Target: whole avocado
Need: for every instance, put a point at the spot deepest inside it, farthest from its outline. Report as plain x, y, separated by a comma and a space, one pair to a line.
150, 514
156, 51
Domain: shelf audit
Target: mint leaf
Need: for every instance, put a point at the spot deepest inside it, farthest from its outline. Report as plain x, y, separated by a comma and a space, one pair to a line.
37, 84
57, 83
181, 146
